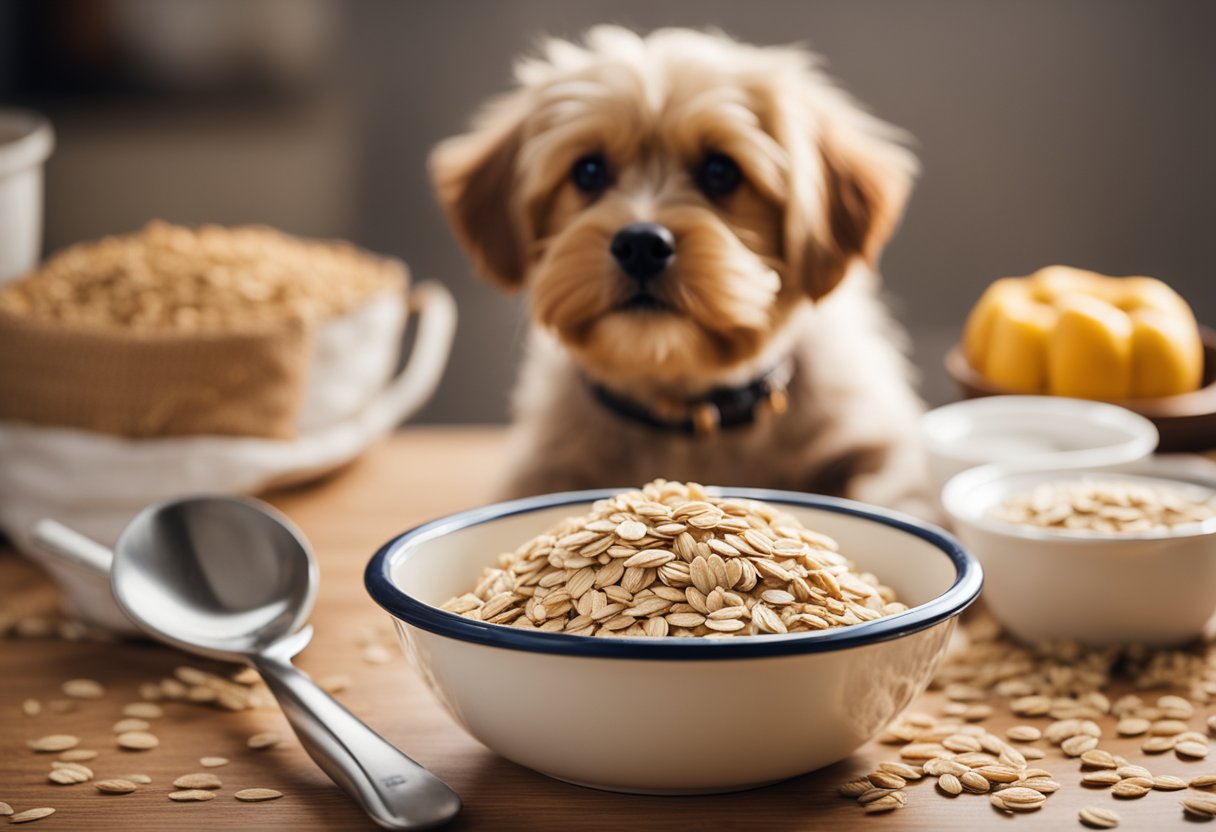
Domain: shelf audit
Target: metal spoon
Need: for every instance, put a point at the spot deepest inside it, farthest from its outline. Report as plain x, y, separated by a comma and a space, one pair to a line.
232, 579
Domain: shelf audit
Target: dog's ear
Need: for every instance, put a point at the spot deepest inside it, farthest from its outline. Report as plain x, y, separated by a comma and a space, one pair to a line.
474, 178
850, 178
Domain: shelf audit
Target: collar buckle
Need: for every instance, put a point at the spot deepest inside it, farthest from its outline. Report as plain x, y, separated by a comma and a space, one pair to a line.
706, 419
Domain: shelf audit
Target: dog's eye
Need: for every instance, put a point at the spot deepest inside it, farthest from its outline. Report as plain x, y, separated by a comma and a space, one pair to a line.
590, 174
718, 175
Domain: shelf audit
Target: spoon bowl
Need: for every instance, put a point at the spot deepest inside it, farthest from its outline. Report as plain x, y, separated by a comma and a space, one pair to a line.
220, 575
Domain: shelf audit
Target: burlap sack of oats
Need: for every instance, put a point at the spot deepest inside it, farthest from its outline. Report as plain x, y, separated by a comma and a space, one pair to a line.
146, 384
175, 331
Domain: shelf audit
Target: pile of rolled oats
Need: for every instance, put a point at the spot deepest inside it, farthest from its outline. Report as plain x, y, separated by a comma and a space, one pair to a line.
1070, 691
671, 560
1104, 506
170, 278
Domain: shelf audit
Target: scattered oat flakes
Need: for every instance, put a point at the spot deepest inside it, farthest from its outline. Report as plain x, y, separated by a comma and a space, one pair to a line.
1100, 778
1203, 806
192, 675
137, 741
81, 767
974, 713
1078, 745
32, 814
200, 780
974, 782
129, 724
1022, 796
201, 694
376, 654
5, 809
268, 739
872, 794
31, 707
1191, 749
335, 683
1168, 783
1041, 784
257, 795
115, 786
54, 742
855, 788
905, 771
192, 794
1097, 758
950, 784
83, 689
143, 710
212, 762
246, 676
1133, 726
887, 803
67, 774
1132, 788
1175, 707
1099, 817
1203, 781
136, 778
1167, 727
65, 778
886, 780
1024, 733
1158, 745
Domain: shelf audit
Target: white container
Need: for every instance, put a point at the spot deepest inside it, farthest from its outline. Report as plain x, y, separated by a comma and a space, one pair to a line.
26, 140
95, 483
647, 715
1032, 432
1154, 588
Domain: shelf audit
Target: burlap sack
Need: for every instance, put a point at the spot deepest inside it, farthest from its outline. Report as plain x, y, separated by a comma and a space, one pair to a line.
160, 384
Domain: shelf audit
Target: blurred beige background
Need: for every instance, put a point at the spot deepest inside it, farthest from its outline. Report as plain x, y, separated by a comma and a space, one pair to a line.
1076, 132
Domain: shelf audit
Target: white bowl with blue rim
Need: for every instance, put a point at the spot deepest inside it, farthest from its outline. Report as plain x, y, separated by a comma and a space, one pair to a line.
673, 715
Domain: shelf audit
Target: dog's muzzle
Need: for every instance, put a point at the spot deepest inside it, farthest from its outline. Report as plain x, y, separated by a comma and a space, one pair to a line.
643, 250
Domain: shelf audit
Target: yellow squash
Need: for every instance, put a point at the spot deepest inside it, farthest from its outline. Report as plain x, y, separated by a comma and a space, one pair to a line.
1070, 332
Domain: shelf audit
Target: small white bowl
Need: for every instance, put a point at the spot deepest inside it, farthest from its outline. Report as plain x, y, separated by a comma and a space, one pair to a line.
1032, 431
1154, 588
673, 715
26, 140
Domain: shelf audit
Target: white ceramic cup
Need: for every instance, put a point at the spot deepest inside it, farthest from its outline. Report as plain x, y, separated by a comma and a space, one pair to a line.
1032, 432
26, 140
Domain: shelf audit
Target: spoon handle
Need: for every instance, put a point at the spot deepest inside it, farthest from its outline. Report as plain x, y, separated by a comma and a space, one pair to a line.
395, 791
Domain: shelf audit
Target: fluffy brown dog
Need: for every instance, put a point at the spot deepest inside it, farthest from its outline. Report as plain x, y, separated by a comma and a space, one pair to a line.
684, 210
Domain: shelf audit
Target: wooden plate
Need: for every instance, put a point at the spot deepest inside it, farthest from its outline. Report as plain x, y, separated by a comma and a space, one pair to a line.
1186, 422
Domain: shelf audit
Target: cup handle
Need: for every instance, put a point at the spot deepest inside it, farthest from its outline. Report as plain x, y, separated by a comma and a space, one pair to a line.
436, 310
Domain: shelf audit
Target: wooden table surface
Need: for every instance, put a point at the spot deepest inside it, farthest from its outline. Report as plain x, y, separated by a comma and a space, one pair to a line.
419, 474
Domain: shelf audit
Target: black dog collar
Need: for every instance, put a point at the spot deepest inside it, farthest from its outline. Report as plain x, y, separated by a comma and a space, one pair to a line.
720, 409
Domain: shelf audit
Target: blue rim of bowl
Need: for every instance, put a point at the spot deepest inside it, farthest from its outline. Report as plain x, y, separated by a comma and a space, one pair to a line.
963, 591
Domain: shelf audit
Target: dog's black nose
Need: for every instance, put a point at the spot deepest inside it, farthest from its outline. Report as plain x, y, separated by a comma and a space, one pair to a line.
643, 249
